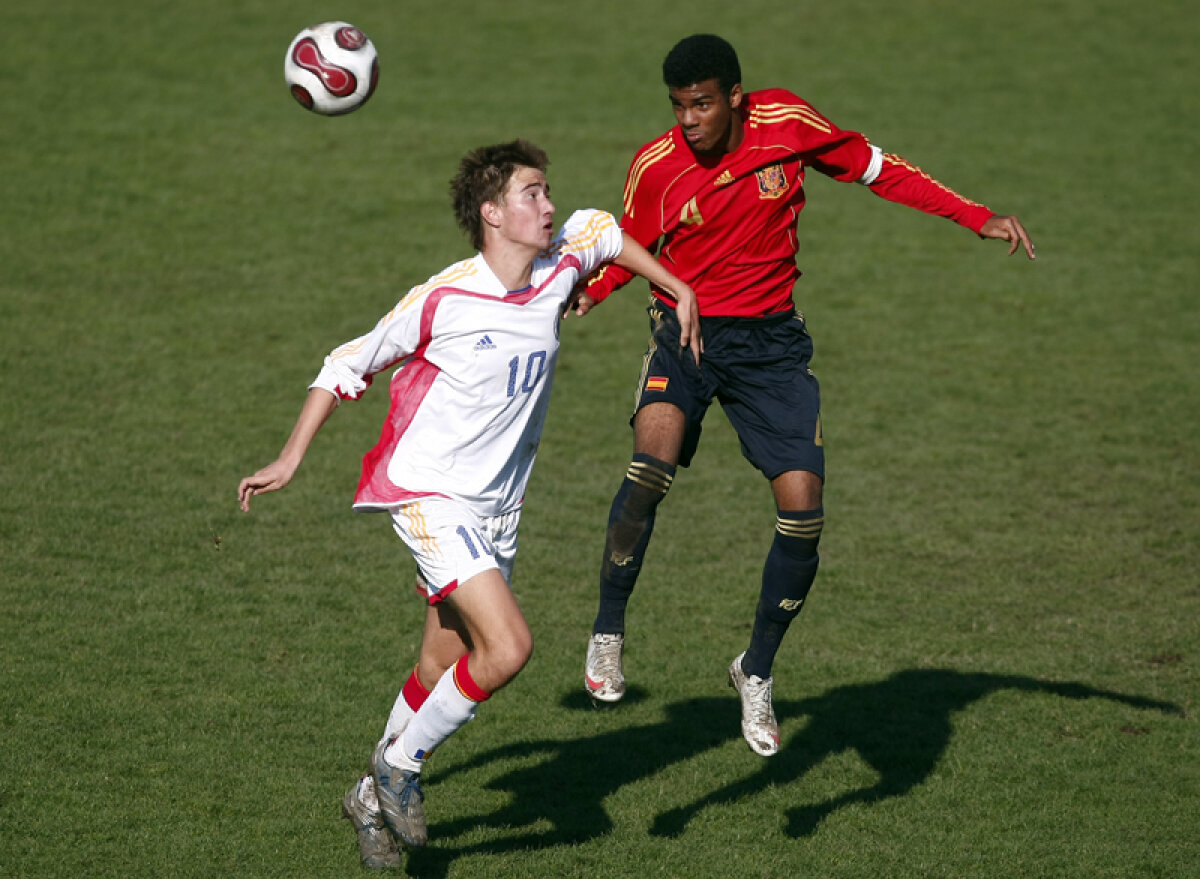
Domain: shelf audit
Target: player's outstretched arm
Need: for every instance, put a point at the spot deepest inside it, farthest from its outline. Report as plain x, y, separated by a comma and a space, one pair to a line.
638, 259
1009, 229
317, 408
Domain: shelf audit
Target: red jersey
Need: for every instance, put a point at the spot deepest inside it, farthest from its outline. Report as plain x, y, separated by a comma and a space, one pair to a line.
727, 224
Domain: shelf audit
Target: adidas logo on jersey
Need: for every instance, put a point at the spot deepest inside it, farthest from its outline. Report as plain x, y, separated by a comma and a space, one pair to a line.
485, 343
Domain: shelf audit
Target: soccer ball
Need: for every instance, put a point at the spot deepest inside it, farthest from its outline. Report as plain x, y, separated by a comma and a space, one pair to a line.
332, 68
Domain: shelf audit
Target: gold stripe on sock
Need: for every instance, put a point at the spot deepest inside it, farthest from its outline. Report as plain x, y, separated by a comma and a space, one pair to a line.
808, 528
649, 476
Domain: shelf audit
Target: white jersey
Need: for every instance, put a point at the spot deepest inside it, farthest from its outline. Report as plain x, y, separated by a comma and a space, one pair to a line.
476, 362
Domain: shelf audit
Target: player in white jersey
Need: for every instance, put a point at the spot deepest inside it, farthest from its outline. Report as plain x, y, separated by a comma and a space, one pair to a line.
475, 348
478, 360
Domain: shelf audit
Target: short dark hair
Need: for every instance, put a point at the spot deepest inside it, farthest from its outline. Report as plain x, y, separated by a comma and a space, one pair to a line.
700, 57
483, 175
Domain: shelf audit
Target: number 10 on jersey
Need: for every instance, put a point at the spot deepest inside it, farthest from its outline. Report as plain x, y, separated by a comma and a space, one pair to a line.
535, 367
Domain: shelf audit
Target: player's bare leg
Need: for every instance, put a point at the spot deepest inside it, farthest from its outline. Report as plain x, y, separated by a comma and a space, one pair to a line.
482, 616
443, 642
658, 430
657, 438
496, 631
797, 490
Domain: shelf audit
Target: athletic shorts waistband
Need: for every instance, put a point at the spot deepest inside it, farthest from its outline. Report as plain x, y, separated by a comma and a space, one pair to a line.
719, 321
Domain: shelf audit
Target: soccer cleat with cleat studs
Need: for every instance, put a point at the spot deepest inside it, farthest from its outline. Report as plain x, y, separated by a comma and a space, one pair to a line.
759, 727
376, 846
401, 799
603, 676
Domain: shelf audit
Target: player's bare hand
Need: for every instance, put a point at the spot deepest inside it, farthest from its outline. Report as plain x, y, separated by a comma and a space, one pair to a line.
1009, 229
688, 313
270, 478
580, 302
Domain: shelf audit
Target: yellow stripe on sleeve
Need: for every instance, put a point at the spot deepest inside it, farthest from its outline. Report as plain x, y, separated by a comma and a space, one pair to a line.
456, 272
592, 231
770, 114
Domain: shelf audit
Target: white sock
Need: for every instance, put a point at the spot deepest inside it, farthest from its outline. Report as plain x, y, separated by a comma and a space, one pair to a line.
443, 713
366, 793
401, 714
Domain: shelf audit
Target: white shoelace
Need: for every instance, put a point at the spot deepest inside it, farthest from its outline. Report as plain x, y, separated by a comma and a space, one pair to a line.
759, 697
606, 657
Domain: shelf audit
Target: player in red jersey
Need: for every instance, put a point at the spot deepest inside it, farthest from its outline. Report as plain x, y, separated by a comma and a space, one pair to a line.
718, 196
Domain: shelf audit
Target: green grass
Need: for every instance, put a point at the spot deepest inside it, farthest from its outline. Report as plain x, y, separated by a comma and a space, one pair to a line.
997, 671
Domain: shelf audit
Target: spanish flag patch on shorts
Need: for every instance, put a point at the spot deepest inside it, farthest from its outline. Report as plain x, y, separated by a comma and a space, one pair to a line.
656, 383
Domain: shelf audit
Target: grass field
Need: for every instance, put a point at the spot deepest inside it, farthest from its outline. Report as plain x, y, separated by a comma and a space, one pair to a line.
998, 671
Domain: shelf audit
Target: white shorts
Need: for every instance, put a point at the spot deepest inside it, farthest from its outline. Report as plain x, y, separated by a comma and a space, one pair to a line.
451, 544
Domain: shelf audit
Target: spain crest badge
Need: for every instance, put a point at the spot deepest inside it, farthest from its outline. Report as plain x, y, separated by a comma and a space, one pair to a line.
772, 181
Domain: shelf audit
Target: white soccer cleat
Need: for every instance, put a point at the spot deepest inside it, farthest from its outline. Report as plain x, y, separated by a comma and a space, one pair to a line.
758, 714
401, 800
603, 676
376, 846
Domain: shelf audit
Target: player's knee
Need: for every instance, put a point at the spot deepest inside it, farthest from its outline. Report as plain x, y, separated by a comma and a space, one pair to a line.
798, 490
523, 649
517, 648
516, 656
502, 660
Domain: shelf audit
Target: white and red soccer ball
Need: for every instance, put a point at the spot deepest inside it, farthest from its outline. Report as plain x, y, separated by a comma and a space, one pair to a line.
331, 68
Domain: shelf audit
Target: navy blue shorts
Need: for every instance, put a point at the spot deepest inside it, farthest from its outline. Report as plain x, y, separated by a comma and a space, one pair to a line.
757, 369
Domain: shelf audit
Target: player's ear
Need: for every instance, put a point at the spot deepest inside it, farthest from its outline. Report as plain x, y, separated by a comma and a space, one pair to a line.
735, 96
490, 211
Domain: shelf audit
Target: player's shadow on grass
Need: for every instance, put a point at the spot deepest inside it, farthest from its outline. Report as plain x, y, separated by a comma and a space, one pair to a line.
900, 727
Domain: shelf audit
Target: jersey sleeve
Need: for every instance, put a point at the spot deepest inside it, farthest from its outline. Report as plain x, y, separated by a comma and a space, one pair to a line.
905, 183
606, 279
640, 219
593, 237
848, 156
349, 369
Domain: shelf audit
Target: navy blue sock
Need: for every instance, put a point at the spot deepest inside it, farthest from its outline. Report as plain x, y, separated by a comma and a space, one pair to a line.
788, 574
630, 524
